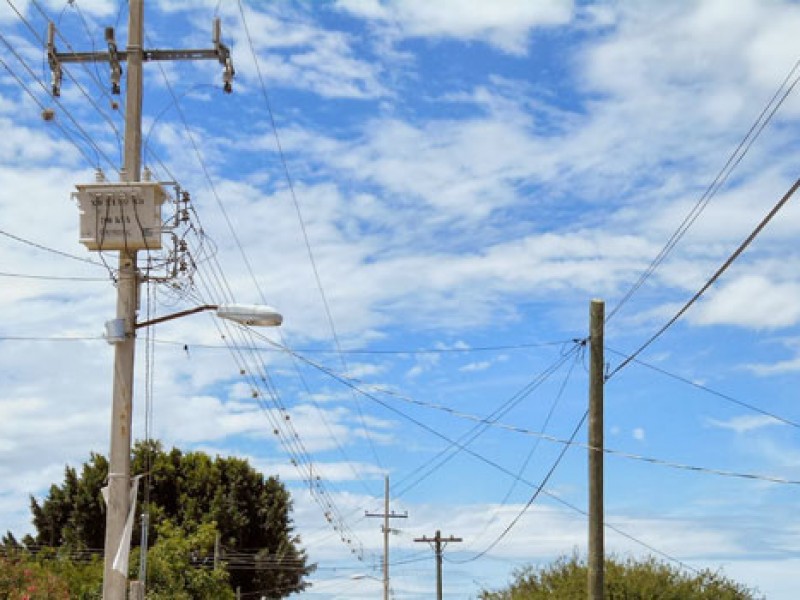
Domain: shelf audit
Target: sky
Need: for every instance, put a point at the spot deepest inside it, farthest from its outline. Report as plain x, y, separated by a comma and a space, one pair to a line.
431, 193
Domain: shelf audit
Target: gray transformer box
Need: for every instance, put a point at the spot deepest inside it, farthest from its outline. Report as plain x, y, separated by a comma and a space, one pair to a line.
120, 216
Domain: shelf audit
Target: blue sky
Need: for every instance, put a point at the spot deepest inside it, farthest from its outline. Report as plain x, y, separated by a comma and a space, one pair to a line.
465, 178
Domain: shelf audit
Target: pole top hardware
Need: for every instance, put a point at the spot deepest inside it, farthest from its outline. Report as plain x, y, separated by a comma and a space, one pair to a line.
224, 56
115, 57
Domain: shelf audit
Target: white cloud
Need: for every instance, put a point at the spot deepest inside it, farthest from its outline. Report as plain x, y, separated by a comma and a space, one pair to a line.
638, 434
745, 423
751, 301
505, 25
294, 52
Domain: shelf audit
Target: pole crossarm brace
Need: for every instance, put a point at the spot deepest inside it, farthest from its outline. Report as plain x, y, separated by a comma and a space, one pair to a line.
114, 57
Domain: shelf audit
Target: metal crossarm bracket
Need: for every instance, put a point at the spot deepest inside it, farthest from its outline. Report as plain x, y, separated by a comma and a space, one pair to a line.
115, 57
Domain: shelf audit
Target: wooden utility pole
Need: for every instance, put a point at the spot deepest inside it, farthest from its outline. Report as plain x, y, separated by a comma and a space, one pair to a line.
438, 544
386, 515
119, 476
596, 382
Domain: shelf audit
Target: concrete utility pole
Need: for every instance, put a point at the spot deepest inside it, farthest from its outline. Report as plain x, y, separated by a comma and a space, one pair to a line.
438, 544
386, 515
119, 465
596, 382
119, 475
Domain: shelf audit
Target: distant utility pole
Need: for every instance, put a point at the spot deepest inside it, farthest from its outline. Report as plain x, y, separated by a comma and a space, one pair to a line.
125, 200
386, 515
596, 382
438, 544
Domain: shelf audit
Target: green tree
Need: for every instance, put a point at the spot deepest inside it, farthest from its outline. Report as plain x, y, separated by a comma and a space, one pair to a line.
251, 513
172, 574
630, 579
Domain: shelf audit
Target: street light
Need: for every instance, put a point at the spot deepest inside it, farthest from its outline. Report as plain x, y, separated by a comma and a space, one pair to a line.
120, 334
258, 315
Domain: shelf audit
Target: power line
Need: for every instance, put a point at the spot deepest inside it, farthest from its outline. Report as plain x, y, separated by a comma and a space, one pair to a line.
532, 451
302, 223
39, 246
711, 391
742, 247
390, 351
533, 498
90, 159
448, 453
92, 75
539, 434
489, 461
51, 277
722, 176
90, 141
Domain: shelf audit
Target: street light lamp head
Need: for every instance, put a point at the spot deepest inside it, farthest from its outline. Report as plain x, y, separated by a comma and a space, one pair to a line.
250, 314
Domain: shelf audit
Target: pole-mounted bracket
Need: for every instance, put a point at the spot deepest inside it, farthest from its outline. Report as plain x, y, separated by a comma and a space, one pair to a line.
113, 59
53, 59
224, 57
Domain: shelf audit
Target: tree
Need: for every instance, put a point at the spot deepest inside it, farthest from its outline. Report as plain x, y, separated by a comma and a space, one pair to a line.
170, 572
630, 579
189, 492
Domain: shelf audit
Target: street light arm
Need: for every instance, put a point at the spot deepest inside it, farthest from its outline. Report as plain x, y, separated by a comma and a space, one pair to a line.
244, 314
176, 315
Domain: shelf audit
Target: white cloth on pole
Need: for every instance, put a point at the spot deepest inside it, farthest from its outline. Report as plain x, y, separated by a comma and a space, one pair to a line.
123, 552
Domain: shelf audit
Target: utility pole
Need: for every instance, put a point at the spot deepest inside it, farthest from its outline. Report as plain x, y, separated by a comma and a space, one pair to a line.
386, 515
438, 544
119, 475
596, 382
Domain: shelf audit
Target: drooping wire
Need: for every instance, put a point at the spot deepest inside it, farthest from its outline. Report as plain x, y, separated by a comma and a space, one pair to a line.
533, 498
490, 462
426, 469
301, 220
742, 247
532, 451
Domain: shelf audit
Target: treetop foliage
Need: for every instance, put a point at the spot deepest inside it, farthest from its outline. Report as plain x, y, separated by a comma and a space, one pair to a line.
628, 579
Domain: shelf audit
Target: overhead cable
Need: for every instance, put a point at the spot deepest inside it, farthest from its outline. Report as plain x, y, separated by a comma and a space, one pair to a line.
766, 115
711, 391
742, 247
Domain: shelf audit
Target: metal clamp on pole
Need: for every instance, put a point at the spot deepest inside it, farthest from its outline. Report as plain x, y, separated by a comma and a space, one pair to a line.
52, 59
224, 56
113, 59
